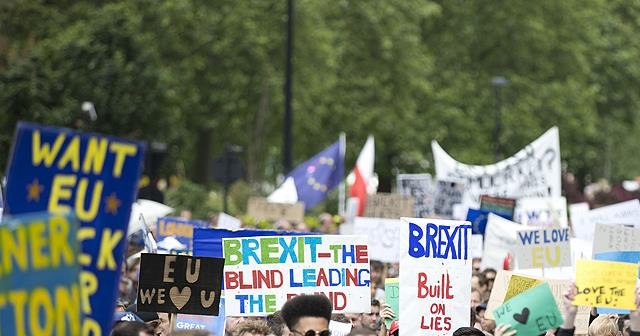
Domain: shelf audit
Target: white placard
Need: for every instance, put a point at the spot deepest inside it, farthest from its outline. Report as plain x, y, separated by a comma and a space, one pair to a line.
383, 235
624, 213
548, 212
543, 248
500, 239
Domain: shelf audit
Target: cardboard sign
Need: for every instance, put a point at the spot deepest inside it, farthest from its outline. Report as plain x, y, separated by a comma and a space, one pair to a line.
392, 298
632, 257
180, 229
95, 177
259, 208
383, 236
435, 276
448, 193
558, 287
500, 239
616, 238
262, 273
530, 313
420, 188
519, 284
543, 248
532, 172
228, 222
624, 213
501, 206
212, 324
606, 284
180, 284
476, 246
383, 205
547, 212
39, 275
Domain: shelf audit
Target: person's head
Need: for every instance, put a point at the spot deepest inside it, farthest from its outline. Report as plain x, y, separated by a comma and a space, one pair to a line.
490, 275
277, 325
483, 284
475, 264
376, 271
131, 328
604, 325
467, 331
476, 298
253, 328
305, 313
355, 319
326, 223
232, 323
363, 331
370, 320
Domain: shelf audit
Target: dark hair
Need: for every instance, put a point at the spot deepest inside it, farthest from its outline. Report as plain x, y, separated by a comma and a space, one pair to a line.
489, 270
466, 331
254, 327
482, 280
375, 303
130, 328
306, 306
362, 331
473, 317
276, 322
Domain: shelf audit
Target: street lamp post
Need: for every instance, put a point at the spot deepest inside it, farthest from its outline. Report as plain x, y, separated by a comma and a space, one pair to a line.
498, 82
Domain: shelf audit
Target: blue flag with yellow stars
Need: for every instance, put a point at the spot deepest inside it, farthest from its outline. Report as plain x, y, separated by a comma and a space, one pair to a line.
96, 178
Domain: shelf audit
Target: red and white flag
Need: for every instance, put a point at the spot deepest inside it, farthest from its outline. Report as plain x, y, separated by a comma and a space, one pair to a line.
363, 172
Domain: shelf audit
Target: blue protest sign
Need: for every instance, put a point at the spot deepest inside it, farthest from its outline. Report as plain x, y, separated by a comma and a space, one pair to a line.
96, 178
621, 256
212, 324
208, 242
180, 229
39, 275
478, 219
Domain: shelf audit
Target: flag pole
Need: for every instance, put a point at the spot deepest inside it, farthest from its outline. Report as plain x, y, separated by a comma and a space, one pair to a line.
342, 198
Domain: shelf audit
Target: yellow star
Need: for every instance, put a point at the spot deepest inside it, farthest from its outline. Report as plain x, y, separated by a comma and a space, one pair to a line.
33, 191
112, 204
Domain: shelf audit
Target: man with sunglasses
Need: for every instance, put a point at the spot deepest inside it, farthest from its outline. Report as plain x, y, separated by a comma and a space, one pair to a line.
308, 315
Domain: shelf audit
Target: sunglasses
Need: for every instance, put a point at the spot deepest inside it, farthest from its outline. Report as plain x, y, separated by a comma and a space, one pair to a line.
312, 332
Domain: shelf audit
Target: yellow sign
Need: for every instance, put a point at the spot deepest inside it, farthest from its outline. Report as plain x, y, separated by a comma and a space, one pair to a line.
606, 284
519, 284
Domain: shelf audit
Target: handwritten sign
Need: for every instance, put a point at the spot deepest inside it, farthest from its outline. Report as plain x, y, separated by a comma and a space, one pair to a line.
96, 178
624, 213
543, 248
501, 206
392, 298
39, 287
547, 212
420, 188
260, 208
606, 284
180, 284
383, 205
530, 313
448, 193
212, 324
262, 273
616, 238
519, 284
435, 276
383, 235
180, 229
499, 240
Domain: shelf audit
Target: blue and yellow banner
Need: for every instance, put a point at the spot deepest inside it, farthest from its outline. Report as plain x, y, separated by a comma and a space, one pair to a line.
39, 275
181, 229
93, 176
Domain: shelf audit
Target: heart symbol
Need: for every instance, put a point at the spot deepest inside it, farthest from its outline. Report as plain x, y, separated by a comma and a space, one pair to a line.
180, 297
523, 317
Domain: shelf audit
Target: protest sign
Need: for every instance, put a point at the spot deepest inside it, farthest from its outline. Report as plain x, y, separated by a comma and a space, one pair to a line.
532, 172
543, 248
96, 178
606, 284
383, 235
212, 324
180, 284
624, 213
548, 212
478, 219
383, 205
519, 284
448, 194
39, 271
616, 238
632, 257
435, 276
558, 287
180, 229
339, 328
476, 246
208, 242
420, 188
228, 222
499, 240
262, 273
259, 208
392, 298
531, 312
501, 206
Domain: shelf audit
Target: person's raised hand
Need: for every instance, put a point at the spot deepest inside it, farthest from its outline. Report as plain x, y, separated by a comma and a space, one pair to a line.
634, 315
504, 330
570, 310
387, 312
